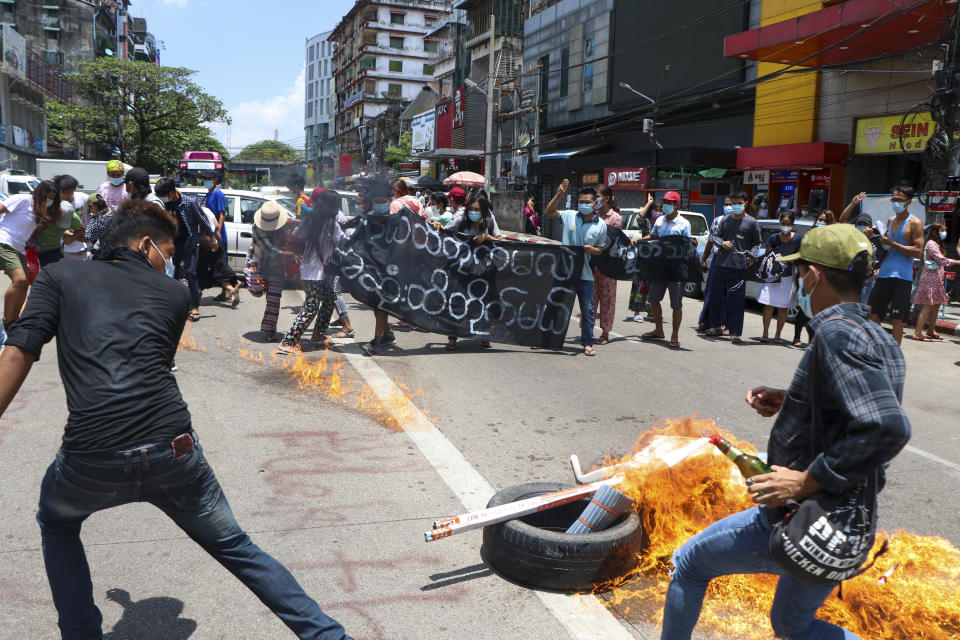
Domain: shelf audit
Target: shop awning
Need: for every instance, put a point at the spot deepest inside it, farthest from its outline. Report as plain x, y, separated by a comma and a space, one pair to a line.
853, 30
566, 154
792, 156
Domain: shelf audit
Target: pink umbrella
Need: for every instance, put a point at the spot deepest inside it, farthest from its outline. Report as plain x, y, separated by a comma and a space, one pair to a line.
465, 179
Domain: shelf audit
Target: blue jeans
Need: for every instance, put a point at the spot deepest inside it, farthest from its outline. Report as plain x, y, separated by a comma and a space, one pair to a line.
187, 490
585, 296
735, 545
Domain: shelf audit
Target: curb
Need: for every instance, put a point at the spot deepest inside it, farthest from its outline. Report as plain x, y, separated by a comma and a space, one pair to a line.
950, 328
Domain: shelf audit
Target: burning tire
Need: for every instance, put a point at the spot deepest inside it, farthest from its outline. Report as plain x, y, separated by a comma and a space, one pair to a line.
535, 550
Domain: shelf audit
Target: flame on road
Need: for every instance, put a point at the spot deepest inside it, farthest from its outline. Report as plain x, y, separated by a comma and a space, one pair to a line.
918, 599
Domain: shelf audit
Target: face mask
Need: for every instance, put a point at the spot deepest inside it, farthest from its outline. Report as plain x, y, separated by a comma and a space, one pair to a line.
208, 184
943, 235
786, 229
116, 181
381, 208
727, 209
432, 211
167, 262
737, 209
862, 228
585, 209
898, 207
668, 209
819, 224
474, 216
804, 299
598, 205
49, 203
164, 199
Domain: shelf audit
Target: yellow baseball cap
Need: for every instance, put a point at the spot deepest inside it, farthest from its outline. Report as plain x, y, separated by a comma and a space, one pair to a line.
835, 246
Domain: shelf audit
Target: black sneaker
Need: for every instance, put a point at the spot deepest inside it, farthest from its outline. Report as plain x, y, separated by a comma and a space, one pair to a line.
387, 337
370, 348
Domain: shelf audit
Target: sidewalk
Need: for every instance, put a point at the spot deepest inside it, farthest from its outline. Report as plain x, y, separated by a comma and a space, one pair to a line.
948, 319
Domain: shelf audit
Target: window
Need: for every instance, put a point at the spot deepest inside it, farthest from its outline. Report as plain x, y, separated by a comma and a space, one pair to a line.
310, 74
430, 21
325, 68
312, 53
394, 90
544, 78
564, 72
370, 87
396, 17
430, 46
52, 34
248, 207
53, 12
396, 65
369, 62
310, 91
309, 109
396, 42
427, 69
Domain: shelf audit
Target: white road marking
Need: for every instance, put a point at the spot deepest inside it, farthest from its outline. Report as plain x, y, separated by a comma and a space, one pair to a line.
930, 456
583, 616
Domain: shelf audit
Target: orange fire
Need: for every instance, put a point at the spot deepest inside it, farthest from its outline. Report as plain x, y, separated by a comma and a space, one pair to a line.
912, 592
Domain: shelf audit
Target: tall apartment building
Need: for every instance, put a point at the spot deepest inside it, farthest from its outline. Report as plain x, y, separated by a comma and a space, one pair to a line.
383, 60
319, 97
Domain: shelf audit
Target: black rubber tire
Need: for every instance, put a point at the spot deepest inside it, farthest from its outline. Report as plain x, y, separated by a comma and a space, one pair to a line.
534, 550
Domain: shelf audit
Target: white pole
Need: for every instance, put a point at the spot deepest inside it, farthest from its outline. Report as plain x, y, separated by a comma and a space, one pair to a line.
488, 158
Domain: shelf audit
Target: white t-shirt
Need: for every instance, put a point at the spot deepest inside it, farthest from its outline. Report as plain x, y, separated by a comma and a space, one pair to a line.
679, 226
79, 206
313, 266
17, 224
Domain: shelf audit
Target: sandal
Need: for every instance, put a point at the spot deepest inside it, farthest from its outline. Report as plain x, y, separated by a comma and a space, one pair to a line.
921, 339
935, 336
484, 345
603, 339
194, 316
674, 344
451, 346
344, 334
589, 351
712, 332
763, 340
652, 335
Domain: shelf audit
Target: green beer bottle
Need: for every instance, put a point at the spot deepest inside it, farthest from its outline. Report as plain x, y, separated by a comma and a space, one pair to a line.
749, 465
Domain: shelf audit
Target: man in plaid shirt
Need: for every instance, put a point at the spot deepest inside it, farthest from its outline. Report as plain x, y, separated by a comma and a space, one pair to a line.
861, 381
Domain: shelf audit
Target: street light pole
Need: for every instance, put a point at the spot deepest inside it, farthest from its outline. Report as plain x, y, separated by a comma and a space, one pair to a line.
488, 159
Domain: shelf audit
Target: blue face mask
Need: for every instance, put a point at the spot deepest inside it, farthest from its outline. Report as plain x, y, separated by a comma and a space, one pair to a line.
168, 267
727, 209
381, 208
585, 209
668, 209
208, 184
943, 235
49, 203
862, 228
164, 199
474, 216
116, 181
898, 207
819, 224
737, 209
804, 299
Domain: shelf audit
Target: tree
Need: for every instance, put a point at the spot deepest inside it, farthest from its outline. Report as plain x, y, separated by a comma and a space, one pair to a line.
270, 150
147, 114
394, 156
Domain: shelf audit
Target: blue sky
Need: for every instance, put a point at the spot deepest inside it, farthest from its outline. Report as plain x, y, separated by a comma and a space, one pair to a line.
248, 54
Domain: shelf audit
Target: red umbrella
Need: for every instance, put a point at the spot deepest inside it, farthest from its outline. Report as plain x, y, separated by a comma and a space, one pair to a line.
465, 179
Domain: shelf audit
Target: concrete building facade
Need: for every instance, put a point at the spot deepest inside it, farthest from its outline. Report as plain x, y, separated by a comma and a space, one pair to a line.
319, 96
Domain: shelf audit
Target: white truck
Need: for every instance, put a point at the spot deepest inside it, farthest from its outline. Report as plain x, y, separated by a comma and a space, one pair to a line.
89, 173
14, 182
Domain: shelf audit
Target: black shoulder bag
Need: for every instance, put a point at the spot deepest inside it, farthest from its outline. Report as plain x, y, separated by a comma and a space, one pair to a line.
827, 538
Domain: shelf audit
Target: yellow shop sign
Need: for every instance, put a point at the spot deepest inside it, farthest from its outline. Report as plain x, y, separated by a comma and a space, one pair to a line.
882, 134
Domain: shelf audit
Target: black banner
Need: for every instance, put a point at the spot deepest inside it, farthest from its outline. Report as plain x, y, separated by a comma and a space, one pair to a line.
767, 269
669, 259
512, 292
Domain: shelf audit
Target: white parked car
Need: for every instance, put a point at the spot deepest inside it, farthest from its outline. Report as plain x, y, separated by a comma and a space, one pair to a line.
699, 230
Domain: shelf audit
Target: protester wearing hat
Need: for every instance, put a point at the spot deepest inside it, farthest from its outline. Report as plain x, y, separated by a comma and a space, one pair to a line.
671, 223
137, 182
859, 375
270, 235
51, 239
739, 236
458, 199
114, 190
192, 223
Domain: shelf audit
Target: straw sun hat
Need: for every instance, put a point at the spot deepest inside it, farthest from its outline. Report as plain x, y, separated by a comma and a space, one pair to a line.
270, 217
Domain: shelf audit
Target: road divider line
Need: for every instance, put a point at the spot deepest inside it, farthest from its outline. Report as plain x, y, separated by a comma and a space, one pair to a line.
930, 456
583, 616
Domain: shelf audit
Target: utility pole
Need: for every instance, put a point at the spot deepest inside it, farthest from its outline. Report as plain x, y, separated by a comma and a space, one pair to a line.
488, 159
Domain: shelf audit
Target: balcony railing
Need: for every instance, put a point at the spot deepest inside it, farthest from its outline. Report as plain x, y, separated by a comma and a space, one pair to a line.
47, 77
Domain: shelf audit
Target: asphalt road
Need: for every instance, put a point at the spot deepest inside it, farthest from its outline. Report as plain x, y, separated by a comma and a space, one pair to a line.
342, 496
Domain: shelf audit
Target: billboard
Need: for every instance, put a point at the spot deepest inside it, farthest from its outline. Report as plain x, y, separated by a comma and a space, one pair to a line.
424, 128
14, 52
882, 134
632, 179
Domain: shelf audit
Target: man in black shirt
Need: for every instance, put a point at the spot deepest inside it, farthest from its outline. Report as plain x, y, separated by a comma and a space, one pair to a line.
117, 320
740, 237
193, 224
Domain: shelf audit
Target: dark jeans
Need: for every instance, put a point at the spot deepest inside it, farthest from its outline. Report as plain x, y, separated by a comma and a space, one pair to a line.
800, 322
727, 299
585, 297
709, 297
186, 258
187, 490
50, 256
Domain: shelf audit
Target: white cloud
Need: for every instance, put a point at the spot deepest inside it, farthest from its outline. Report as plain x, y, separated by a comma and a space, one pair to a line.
255, 120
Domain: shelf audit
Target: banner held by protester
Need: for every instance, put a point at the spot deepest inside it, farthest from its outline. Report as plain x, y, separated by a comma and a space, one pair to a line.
509, 292
669, 259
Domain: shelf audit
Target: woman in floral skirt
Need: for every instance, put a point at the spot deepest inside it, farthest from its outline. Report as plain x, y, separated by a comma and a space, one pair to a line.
930, 291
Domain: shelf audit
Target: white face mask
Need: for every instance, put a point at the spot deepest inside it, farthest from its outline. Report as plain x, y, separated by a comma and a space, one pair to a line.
786, 229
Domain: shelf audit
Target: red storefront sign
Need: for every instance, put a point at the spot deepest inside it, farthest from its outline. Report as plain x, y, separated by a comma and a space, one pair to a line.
943, 201
634, 179
444, 123
459, 107
820, 180
346, 167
